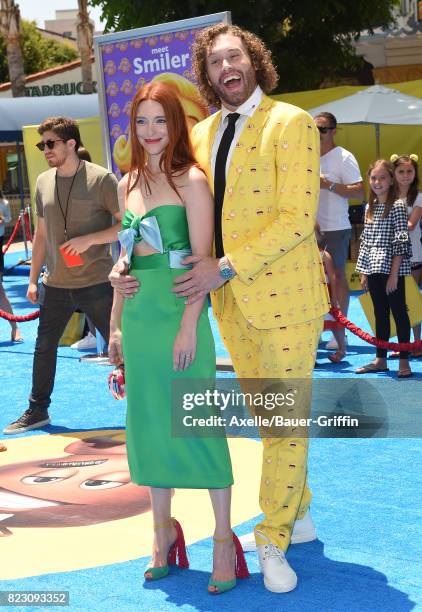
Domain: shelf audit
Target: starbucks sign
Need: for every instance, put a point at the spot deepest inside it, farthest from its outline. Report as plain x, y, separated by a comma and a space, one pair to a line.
57, 89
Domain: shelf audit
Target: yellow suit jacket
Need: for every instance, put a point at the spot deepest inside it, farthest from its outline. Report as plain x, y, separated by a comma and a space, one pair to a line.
269, 213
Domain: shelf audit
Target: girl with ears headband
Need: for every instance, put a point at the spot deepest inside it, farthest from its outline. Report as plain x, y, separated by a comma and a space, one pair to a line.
406, 173
384, 261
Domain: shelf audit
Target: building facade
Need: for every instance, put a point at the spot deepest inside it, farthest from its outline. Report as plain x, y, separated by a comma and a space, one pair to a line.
396, 53
65, 80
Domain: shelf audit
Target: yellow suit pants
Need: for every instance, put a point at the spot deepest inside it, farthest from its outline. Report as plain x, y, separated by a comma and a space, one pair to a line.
280, 353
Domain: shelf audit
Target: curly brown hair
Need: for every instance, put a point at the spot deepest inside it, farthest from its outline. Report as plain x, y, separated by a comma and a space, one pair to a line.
266, 74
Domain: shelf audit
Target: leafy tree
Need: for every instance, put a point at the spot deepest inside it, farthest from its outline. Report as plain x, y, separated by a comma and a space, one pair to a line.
4, 71
39, 53
10, 28
85, 31
310, 40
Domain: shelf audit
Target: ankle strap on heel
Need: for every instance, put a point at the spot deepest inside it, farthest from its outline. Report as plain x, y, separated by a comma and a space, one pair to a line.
165, 524
228, 538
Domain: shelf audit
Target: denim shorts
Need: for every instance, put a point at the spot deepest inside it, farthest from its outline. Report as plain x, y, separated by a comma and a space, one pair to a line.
336, 243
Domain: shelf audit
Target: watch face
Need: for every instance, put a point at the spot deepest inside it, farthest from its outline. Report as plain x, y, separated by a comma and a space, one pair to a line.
226, 273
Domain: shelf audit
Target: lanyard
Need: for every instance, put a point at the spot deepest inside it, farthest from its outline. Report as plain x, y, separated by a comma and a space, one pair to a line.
64, 214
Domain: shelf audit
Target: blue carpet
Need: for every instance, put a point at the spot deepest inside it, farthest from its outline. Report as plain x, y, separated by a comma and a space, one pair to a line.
367, 501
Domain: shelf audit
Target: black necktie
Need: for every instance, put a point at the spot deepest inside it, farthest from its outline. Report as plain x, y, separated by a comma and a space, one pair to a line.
220, 179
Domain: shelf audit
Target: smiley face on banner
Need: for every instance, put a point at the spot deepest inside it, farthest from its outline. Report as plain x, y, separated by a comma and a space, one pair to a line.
130, 59
194, 107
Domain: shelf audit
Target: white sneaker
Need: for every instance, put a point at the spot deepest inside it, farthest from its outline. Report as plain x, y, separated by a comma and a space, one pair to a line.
303, 531
88, 342
278, 575
248, 542
332, 344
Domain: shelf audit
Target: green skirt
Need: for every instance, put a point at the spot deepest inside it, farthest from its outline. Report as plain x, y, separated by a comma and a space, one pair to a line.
150, 322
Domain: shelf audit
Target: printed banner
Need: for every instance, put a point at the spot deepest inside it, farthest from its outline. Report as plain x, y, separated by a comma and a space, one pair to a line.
132, 58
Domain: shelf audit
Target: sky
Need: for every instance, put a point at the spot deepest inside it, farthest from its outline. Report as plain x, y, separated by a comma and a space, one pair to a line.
31, 10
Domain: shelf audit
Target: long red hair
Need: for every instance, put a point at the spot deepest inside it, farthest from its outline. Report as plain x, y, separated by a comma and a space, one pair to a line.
178, 155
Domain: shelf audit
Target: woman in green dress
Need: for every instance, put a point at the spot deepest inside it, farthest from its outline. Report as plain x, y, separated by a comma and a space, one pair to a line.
167, 211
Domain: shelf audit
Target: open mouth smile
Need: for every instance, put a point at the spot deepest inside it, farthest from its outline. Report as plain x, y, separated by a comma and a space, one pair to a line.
231, 79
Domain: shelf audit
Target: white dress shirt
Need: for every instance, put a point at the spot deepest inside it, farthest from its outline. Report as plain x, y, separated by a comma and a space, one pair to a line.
245, 110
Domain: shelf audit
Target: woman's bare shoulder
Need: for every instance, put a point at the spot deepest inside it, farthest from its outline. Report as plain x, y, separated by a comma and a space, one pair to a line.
192, 177
123, 182
196, 173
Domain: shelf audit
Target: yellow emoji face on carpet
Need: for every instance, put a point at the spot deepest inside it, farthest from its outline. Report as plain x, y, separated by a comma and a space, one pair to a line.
89, 484
70, 496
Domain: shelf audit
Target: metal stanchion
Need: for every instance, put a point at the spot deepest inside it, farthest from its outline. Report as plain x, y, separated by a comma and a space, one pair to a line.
22, 197
25, 241
27, 260
28, 210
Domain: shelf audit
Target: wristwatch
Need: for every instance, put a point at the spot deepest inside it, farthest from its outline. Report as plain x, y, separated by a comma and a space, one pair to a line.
332, 187
226, 271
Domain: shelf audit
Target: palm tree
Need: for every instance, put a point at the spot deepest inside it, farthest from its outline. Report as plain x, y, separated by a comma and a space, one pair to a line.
10, 29
85, 37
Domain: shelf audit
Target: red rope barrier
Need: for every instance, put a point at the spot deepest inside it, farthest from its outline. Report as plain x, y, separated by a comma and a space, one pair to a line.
12, 235
26, 229
383, 344
27, 226
19, 319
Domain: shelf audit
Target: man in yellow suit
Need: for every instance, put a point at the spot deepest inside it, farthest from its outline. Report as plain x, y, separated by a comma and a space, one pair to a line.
269, 293
268, 287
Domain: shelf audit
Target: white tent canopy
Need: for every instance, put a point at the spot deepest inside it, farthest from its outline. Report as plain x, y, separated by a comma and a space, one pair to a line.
376, 104
16, 112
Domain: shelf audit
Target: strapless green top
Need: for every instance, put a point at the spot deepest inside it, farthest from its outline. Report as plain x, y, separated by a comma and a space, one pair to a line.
165, 228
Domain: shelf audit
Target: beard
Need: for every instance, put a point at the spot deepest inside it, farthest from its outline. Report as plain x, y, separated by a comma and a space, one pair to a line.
56, 161
237, 98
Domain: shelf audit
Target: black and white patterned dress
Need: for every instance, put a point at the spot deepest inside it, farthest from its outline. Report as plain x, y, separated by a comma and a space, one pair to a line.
382, 239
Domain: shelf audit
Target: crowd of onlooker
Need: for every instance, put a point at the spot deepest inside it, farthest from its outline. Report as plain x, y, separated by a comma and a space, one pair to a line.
169, 208
390, 249
390, 245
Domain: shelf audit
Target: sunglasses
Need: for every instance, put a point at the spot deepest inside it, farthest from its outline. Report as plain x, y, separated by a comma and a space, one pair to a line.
324, 130
48, 143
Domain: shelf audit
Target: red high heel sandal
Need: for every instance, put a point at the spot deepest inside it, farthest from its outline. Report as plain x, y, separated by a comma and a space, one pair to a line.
241, 567
177, 551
